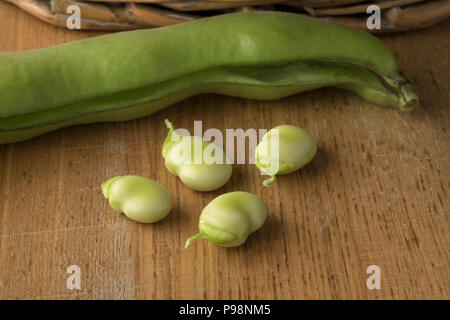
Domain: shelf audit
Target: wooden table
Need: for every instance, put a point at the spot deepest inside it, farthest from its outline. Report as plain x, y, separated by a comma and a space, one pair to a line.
377, 193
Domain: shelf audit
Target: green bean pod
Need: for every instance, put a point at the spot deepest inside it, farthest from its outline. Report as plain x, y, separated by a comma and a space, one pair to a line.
127, 75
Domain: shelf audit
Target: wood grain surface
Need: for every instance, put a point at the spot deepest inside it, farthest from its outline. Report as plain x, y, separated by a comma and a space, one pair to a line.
377, 193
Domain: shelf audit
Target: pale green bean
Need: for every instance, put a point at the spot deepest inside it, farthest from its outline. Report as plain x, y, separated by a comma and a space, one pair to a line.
140, 199
230, 218
284, 149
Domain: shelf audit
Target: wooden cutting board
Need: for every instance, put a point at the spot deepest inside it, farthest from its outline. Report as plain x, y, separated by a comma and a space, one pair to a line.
377, 193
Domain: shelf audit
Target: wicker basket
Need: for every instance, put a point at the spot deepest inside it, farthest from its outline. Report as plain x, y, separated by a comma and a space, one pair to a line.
112, 15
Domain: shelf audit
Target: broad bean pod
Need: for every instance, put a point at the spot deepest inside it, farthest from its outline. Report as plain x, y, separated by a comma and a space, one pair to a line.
127, 75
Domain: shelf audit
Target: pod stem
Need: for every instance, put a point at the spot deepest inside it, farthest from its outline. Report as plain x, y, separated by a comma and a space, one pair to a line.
269, 181
401, 88
197, 236
408, 97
